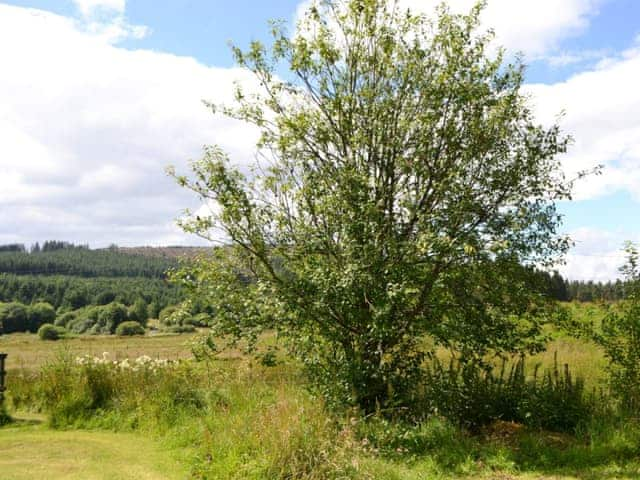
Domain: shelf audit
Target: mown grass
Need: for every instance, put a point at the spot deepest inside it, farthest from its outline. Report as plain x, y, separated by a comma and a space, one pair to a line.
34, 452
235, 419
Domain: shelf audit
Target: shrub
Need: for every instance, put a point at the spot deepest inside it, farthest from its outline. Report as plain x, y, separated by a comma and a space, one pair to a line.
138, 312
166, 314
200, 320
39, 314
5, 419
13, 317
65, 319
473, 396
48, 331
129, 328
620, 337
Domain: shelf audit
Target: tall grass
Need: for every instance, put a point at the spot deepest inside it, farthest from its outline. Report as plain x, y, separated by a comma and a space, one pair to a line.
235, 419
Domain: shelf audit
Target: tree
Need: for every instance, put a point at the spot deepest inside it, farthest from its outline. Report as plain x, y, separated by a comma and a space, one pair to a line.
619, 336
401, 186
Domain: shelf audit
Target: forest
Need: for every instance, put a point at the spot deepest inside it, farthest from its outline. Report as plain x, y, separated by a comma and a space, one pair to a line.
89, 291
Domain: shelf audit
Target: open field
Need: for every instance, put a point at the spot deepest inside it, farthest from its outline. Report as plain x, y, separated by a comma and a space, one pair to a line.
255, 422
28, 351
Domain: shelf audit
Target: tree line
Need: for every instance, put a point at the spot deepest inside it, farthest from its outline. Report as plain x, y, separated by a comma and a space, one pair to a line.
75, 292
564, 290
63, 258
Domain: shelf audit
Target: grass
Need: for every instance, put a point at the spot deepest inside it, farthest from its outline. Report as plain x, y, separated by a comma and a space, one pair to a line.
238, 420
26, 350
32, 451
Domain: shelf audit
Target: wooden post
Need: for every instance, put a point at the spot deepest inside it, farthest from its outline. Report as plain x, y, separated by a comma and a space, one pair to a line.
2, 375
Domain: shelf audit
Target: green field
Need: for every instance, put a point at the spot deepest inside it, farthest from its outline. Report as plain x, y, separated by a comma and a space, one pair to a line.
28, 351
235, 419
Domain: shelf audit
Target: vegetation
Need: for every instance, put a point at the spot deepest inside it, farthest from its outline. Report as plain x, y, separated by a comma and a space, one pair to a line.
237, 419
406, 186
393, 248
49, 332
129, 328
72, 260
619, 336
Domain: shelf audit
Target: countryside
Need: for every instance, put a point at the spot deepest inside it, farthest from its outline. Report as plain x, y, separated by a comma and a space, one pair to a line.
363, 239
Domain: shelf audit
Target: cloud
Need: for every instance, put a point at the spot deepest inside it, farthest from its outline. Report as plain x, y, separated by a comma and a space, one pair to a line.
597, 255
602, 108
87, 128
106, 19
534, 27
563, 59
88, 7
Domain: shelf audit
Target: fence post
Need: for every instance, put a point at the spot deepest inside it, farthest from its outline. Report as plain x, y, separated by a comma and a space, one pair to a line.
3, 356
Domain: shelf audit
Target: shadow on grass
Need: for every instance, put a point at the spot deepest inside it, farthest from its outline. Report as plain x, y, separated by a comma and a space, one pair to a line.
601, 452
20, 420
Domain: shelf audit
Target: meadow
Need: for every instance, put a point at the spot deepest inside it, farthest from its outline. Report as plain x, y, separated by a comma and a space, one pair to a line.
144, 404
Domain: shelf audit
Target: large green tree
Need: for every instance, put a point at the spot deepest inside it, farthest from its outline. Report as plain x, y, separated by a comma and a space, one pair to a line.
402, 195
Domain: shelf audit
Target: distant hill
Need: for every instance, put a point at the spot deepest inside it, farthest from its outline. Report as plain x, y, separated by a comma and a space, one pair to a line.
170, 252
83, 262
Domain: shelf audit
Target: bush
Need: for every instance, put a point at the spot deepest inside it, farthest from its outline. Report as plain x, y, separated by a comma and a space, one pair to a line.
13, 317
620, 337
65, 319
138, 312
5, 419
109, 318
48, 331
473, 396
166, 314
129, 328
39, 314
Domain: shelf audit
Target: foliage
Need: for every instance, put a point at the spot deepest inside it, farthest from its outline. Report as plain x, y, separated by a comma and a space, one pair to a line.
619, 335
13, 318
138, 312
474, 397
71, 293
5, 418
404, 184
233, 420
38, 314
84, 263
48, 331
129, 328
98, 320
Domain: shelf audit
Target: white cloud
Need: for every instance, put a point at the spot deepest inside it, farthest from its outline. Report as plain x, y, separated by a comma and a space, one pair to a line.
88, 7
562, 59
534, 27
106, 20
603, 115
597, 255
87, 128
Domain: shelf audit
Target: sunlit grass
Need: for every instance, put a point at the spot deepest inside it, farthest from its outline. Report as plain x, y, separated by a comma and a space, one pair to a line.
255, 422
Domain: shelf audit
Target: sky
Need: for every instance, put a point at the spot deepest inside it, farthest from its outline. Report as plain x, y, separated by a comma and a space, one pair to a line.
97, 97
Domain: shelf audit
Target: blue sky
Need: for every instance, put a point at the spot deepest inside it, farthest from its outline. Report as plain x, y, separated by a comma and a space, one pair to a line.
98, 96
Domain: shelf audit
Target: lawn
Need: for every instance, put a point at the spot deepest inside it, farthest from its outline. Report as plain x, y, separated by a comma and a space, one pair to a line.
31, 451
